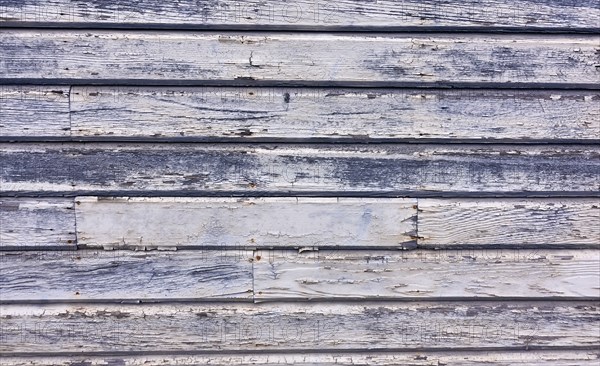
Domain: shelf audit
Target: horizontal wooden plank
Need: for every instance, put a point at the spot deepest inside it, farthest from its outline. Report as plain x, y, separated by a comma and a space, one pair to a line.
36, 223
177, 222
193, 169
304, 14
509, 222
34, 111
124, 275
107, 57
90, 275
245, 223
319, 113
427, 274
172, 328
501, 358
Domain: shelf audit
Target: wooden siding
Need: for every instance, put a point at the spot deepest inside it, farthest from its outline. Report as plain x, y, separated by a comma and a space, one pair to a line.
109, 57
304, 223
125, 276
200, 169
510, 222
306, 14
271, 113
310, 183
37, 223
299, 327
282, 274
333, 114
237, 223
425, 274
416, 358
34, 111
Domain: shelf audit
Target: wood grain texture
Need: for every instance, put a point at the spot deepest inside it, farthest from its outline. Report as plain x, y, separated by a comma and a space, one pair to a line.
473, 358
245, 223
36, 223
124, 275
172, 328
305, 14
427, 274
277, 58
34, 111
193, 169
320, 113
512, 222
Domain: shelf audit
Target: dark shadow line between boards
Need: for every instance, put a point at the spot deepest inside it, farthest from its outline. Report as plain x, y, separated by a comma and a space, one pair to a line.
251, 299
252, 82
300, 29
354, 351
287, 194
233, 248
245, 138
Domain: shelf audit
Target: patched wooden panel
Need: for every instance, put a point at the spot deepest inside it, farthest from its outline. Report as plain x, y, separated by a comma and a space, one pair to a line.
287, 327
89, 275
28, 111
509, 222
338, 114
202, 170
427, 274
305, 14
245, 223
72, 56
414, 358
36, 223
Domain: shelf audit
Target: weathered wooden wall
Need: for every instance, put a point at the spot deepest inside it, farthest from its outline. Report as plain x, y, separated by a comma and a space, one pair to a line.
390, 182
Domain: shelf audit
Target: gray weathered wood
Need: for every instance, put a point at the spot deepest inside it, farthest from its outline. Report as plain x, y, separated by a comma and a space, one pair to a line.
36, 223
509, 222
297, 113
124, 275
305, 14
383, 59
172, 328
250, 223
34, 110
473, 358
427, 274
193, 169
304, 113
